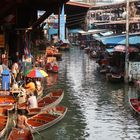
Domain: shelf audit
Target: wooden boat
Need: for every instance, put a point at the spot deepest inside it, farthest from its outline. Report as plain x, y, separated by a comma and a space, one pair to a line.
57, 55
51, 65
135, 105
18, 134
4, 121
47, 118
53, 68
64, 47
114, 77
103, 69
7, 102
50, 100
53, 52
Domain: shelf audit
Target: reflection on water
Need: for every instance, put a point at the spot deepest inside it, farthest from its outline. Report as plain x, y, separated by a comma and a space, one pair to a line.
97, 110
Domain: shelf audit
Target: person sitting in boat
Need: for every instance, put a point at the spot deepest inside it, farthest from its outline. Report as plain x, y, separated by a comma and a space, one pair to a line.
54, 63
38, 88
22, 97
32, 101
21, 119
30, 86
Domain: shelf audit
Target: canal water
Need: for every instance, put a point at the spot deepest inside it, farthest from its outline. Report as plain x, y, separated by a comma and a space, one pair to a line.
97, 110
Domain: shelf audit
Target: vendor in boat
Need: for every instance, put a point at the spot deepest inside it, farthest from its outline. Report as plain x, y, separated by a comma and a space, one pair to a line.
32, 101
30, 86
22, 97
39, 87
21, 119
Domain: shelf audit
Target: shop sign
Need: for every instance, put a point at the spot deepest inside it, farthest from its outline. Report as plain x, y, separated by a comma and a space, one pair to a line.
134, 70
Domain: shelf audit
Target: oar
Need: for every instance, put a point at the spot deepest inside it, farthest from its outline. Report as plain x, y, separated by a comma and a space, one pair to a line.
36, 132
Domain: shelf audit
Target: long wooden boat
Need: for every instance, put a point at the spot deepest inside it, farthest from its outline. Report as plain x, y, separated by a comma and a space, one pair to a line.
50, 100
7, 102
4, 121
135, 105
114, 77
47, 118
18, 134
57, 55
64, 47
50, 68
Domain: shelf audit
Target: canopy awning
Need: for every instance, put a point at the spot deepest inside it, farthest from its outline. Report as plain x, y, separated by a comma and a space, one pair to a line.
122, 49
75, 30
93, 31
120, 40
133, 40
112, 40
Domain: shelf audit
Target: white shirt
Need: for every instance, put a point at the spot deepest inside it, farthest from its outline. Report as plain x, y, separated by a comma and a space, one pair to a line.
32, 101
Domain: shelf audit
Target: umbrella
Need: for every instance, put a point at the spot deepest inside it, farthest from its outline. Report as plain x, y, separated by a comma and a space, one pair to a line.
36, 73
27, 71
121, 48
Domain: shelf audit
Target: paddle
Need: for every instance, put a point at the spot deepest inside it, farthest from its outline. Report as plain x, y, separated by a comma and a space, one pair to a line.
37, 132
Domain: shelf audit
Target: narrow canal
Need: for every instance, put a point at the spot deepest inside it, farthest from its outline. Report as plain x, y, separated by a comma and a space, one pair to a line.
97, 110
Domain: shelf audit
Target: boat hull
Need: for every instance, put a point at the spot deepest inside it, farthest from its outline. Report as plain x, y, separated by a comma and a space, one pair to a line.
135, 105
47, 118
50, 100
4, 121
114, 78
7, 102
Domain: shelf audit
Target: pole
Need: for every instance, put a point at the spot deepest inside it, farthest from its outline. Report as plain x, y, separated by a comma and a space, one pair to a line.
127, 43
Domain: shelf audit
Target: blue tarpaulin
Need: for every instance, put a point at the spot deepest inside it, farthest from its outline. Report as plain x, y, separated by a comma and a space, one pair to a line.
133, 40
113, 40
120, 40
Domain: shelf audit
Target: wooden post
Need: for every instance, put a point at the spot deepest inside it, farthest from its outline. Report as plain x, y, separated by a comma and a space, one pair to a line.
127, 43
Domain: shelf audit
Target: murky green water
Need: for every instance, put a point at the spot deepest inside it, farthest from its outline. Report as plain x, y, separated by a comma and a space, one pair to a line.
97, 110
